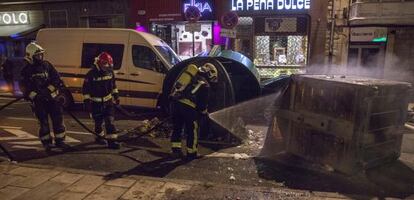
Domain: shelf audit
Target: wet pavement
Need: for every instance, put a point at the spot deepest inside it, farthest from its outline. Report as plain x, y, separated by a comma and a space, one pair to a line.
238, 165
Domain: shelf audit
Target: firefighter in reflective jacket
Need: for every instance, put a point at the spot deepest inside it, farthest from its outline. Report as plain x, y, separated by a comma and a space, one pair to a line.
190, 101
41, 84
100, 94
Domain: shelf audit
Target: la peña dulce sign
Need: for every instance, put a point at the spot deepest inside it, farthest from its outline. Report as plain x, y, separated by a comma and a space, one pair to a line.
263, 5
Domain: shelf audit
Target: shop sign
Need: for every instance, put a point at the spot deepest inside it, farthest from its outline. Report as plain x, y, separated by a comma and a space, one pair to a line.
280, 25
368, 34
263, 5
193, 27
14, 18
230, 33
204, 6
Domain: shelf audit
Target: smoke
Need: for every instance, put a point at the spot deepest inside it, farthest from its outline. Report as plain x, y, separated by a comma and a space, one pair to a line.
390, 67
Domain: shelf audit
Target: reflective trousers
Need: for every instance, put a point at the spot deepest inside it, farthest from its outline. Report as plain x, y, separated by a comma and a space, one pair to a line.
43, 109
104, 112
185, 117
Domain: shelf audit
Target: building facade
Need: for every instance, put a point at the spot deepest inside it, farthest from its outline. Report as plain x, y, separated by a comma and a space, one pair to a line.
17, 32
372, 38
281, 37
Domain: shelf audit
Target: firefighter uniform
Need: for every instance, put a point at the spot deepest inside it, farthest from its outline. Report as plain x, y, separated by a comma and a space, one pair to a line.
99, 91
188, 106
40, 84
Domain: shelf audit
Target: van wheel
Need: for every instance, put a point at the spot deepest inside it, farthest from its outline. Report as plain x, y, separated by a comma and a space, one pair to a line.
66, 99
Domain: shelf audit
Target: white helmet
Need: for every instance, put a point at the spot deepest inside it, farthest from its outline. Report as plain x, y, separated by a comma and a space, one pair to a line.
33, 49
211, 72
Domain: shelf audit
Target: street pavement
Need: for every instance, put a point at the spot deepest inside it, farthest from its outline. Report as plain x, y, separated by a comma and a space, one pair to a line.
221, 165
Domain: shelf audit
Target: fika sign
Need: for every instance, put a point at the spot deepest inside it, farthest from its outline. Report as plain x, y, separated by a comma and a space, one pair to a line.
263, 5
14, 18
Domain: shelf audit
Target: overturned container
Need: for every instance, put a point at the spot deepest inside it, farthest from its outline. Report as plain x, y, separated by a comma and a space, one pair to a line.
348, 123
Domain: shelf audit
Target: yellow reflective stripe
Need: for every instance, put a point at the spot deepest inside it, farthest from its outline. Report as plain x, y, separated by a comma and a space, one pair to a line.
45, 137
187, 102
86, 96
51, 88
54, 94
102, 99
101, 134
103, 78
195, 141
199, 84
176, 144
60, 135
32, 95
111, 136
114, 91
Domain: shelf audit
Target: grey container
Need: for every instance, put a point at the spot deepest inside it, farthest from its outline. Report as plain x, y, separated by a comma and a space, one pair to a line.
348, 123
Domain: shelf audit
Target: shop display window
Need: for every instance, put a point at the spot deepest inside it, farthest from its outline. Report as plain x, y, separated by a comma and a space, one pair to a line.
202, 40
281, 51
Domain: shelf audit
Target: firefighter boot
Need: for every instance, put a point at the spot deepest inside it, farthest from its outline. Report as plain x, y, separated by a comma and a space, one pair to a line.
191, 156
113, 144
99, 140
62, 145
176, 153
47, 146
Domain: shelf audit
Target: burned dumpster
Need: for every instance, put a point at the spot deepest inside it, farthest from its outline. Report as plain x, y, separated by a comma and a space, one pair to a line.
238, 82
349, 123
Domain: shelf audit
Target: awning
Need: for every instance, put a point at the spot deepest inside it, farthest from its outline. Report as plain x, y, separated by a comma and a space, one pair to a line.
18, 31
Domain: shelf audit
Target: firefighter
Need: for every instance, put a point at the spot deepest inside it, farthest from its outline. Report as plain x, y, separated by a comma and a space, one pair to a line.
190, 101
100, 94
41, 85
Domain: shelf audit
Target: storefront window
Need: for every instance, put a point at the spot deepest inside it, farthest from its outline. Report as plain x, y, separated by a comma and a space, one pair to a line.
202, 40
281, 51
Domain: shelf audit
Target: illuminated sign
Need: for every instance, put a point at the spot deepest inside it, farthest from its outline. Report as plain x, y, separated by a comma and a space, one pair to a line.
204, 6
263, 5
14, 18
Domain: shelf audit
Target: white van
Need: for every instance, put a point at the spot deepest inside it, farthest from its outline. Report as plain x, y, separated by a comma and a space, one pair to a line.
141, 60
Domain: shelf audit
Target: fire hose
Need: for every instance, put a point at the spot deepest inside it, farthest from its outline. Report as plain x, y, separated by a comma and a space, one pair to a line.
123, 111
8, 154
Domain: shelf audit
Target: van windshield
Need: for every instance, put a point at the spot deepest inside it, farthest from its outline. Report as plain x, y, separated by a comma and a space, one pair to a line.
168, 54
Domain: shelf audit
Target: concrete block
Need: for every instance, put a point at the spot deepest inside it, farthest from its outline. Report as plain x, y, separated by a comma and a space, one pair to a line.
67, 178
106, 192
44, 191
26, 171
35, 180
86, 184
121, 182
9, 179
143, 189
11, 192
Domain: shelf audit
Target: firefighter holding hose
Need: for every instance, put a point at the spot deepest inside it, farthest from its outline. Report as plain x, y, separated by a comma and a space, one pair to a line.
41, 84
100, 94
190, 101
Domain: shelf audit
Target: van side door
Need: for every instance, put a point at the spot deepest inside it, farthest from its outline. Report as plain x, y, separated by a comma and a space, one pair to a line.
146, 75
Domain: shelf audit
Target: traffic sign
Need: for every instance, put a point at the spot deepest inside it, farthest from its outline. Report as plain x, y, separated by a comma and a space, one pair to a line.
229, 20
193, 27
192, 14
229, 33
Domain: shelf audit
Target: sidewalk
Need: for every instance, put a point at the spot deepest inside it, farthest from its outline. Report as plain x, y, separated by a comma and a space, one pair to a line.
18, 181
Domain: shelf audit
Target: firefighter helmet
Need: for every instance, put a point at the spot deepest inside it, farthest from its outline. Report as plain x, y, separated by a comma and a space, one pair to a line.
210, 71
33, 49
104, 61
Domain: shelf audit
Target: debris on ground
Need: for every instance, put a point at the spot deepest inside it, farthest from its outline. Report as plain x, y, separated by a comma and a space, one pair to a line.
147, 125
232, 178
230, 169
241, 156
